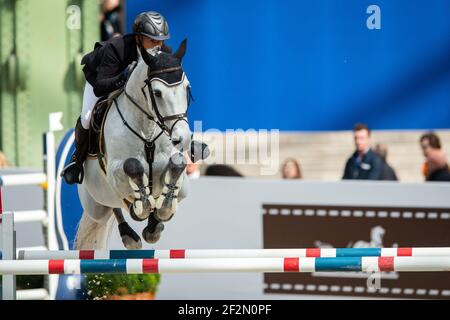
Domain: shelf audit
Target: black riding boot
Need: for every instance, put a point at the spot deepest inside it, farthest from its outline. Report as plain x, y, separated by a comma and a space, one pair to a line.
74, 172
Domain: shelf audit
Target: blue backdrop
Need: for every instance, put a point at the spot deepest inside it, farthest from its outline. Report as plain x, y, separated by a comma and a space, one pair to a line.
312, 64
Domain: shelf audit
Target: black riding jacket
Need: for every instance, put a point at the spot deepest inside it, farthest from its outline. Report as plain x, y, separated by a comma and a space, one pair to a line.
104, 66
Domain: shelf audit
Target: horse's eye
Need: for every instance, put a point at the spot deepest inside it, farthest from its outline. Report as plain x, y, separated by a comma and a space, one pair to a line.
157, 93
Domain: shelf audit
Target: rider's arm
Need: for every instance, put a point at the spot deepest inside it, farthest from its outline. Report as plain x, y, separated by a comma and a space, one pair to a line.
110, 77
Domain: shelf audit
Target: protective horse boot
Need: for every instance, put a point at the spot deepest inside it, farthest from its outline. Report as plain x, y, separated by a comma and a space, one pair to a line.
74, 172
199, 151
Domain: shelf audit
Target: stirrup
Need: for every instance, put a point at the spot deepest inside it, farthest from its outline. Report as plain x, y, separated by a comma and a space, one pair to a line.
73, 173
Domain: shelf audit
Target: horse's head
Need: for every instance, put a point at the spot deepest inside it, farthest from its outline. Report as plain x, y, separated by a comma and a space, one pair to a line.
166, 91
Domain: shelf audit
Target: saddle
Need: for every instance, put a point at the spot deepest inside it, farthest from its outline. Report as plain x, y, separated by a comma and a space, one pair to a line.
98, 119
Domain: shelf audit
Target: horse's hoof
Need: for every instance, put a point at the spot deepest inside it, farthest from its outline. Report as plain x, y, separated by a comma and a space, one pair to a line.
135, 216
167, 211
130, 238
130, 244
170, 218
164, 214
153, 237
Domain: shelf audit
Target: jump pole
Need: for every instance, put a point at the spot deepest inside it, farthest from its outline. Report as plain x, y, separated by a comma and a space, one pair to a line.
264, 265
8, 252
231, 253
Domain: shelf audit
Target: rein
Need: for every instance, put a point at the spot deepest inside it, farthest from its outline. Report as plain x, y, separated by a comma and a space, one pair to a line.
149, 144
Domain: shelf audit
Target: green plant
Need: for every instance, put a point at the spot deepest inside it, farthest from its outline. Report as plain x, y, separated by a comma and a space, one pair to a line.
104, 285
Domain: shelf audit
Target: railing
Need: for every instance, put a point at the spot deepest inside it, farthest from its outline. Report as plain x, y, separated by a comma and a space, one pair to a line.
46, 216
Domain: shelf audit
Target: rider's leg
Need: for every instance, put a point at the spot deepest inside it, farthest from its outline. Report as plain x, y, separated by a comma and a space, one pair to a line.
89, 101
73, 172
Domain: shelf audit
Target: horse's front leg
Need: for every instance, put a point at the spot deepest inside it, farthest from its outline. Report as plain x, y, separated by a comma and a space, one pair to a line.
130, 238
172, 180
143, 201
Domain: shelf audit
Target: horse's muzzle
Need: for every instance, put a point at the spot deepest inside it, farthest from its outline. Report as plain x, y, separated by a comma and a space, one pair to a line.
181, 139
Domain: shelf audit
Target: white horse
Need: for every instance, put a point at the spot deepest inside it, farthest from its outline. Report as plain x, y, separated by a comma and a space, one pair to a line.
145, 133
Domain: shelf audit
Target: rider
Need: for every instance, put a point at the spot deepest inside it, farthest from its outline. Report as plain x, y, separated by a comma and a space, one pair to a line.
106, 70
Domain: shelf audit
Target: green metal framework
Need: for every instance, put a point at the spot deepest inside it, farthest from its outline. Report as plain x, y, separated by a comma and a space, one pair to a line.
41, 45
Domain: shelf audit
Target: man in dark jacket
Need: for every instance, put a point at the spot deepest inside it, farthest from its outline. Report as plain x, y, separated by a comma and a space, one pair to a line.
364, 164
436, 166
106, 70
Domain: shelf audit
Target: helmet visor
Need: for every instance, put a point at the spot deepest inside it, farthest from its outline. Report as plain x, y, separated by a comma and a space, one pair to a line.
160, 37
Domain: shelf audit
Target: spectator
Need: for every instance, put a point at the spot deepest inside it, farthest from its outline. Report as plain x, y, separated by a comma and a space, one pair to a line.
111, 24
436, 166
220, 170
388, 172
364, 164
291, 169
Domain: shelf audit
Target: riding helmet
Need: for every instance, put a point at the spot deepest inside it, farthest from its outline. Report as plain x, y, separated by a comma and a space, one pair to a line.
151, 24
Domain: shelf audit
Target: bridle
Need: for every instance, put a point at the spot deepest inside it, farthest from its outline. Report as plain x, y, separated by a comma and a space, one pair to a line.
160, 120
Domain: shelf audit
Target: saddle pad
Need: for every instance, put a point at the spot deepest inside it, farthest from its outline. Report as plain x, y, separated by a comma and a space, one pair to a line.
99, 114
